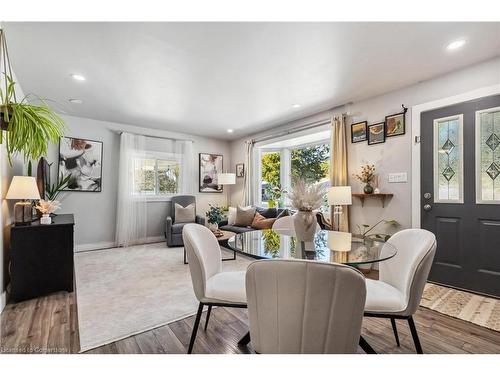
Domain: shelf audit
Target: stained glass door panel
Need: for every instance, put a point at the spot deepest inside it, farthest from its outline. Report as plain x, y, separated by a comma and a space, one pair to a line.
488, 156
448, 159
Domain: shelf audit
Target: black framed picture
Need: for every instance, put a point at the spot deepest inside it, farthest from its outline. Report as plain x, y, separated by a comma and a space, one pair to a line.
210, 166
358, 132
240, 170
376, 133
395, 124
82, 160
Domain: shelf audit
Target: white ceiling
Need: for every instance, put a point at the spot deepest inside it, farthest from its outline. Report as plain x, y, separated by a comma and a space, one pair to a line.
204, 78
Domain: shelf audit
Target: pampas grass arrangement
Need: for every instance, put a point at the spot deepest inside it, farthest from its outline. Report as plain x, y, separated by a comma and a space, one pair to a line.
306, 197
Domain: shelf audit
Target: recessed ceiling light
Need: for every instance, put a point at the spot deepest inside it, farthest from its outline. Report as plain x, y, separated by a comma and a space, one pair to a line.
78, 77
296, 106
230, 130
455, 45
76, 101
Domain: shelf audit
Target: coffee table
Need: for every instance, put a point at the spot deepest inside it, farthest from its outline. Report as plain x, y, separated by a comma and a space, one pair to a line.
226, 235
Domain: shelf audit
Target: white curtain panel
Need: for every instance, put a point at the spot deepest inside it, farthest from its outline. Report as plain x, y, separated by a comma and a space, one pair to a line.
248, 192
131, 218
187, 177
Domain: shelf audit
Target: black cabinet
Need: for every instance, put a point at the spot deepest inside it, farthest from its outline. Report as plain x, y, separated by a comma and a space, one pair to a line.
41, 258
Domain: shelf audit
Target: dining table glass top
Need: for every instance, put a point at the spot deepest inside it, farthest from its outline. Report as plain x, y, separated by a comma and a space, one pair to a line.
327, 246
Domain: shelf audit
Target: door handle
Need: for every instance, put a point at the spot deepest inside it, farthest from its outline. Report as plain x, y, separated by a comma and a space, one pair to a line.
427, 207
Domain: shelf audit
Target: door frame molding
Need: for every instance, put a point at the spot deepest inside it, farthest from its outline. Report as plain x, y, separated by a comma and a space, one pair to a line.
416, 111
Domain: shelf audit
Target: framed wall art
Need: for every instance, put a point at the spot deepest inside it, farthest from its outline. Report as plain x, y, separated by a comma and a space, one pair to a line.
210, 166
395, 124
358, 132
376, 133
240, 170
82, 160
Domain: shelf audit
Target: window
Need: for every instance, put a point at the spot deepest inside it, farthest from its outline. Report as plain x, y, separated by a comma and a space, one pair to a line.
283, 161
157, 175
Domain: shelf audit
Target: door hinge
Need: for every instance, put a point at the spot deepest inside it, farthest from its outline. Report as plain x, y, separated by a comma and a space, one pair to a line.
417, 139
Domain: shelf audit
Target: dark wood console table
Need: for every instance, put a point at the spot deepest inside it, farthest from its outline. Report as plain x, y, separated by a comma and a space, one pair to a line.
41, 258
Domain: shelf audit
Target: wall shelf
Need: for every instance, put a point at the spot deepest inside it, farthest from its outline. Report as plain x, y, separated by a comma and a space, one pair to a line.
382, 196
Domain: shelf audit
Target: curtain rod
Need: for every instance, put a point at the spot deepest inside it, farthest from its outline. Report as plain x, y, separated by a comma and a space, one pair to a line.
297, 129
156, 136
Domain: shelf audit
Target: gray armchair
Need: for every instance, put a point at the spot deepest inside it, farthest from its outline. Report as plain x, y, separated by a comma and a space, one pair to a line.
173, 231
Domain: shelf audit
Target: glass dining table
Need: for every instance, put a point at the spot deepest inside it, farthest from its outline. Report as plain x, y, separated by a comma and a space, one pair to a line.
327, 246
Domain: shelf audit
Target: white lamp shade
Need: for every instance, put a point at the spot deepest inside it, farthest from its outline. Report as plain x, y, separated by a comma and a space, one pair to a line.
226, 178
339, 241
339, 196
23, 187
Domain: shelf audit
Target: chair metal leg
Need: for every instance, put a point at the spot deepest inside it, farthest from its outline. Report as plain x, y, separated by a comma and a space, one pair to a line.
414, 334
395, 330
365, 346
245, 339
195, 327
208, 316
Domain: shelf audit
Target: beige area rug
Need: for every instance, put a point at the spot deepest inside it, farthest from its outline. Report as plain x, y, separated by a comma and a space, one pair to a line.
483, 311
124, 291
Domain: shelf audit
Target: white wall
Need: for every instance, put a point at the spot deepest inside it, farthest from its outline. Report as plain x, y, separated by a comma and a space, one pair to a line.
95, 213
395, 154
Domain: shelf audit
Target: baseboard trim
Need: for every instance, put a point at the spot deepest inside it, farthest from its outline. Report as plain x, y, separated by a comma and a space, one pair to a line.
3, 300
110, 244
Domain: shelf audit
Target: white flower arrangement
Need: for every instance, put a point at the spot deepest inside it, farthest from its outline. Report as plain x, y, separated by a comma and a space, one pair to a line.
306, 197
47, 207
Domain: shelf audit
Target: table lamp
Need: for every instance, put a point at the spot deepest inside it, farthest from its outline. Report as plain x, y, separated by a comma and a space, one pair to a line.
23, 188
339, 196
226, 178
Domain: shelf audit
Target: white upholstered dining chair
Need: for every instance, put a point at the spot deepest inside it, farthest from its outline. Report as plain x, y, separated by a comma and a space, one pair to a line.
300, 306
397, 293
212, 287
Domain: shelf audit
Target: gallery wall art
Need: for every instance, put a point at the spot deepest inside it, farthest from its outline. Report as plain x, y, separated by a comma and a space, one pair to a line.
210, 167
82, 160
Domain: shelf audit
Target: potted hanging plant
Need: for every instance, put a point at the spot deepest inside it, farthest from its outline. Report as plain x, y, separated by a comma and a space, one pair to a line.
29, 123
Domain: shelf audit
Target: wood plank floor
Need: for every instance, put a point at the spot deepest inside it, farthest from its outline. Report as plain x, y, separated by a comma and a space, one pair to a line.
50, 325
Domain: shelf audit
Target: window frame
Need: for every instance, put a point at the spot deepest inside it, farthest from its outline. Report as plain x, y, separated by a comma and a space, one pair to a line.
285, 166
165, 156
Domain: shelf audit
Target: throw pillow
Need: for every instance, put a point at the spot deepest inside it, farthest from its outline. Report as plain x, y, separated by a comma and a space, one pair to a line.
268, 213
260, 222
283, 213
184, 214
244, 216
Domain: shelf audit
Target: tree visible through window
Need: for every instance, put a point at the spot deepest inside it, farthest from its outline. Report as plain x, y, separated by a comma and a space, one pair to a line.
310, 163
156, 176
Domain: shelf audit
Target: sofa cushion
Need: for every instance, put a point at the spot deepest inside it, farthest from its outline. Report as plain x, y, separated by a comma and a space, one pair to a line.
184, 214
260, 222
235, 229
268, 213
244, 216
177, 228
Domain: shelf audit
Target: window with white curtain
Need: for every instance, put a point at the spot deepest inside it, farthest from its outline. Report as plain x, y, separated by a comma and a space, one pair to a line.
157, 174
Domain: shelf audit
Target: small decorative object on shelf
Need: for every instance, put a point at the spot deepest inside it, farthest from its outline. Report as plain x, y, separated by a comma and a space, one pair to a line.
214, 216
366, 176
306, 198
46, 208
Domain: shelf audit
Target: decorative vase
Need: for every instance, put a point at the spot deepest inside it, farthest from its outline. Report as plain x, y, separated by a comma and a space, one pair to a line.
45, 219
368, 189
213, 227
305, 225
